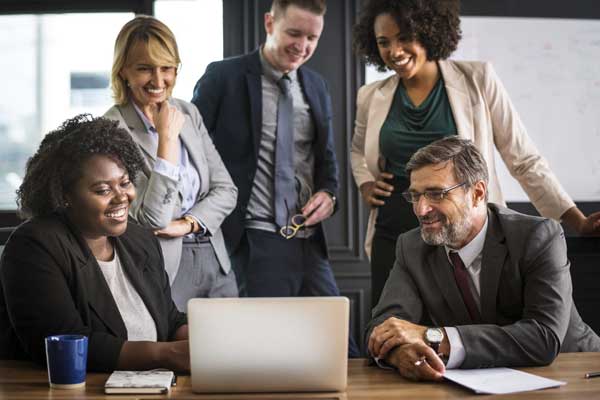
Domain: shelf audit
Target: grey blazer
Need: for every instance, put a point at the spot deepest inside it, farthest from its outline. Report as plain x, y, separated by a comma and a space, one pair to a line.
158, 199
527, 308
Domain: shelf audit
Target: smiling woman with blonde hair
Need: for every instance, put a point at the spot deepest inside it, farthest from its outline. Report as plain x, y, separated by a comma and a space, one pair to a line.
185, 190
159, 43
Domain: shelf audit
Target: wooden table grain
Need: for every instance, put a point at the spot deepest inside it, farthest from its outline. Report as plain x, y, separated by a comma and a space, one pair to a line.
23, 381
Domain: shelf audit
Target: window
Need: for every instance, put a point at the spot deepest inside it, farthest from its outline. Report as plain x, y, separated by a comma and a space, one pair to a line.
54, 67
198, 28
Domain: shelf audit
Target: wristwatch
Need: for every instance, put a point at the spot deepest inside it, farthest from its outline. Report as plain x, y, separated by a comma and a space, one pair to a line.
192, 223
333, 198
433, 337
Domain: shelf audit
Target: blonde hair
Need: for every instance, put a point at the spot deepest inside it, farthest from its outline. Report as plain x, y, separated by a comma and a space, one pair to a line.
159, 42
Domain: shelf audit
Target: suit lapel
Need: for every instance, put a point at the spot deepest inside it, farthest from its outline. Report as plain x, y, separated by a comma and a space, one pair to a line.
458, 95
312, 98
494, 256
136, 272
253, 80
101, 299
138, 130
195, 149
140, 135
379, 109
441, 269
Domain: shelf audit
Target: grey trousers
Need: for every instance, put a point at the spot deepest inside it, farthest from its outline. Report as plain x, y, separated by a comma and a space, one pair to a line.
200, 275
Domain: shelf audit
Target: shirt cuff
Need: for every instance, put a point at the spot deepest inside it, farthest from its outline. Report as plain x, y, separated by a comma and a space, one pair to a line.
166, 168
457, 349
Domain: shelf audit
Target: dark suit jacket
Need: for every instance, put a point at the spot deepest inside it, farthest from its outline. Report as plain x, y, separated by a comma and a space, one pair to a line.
50, 283
527, 308
229, 97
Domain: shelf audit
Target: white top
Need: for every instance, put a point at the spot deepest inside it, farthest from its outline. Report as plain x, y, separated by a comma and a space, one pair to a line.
138, 321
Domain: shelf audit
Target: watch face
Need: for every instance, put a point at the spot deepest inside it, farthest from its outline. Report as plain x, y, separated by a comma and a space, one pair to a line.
434, 335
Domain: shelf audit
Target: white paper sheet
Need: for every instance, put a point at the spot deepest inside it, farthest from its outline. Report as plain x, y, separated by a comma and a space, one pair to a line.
499, 380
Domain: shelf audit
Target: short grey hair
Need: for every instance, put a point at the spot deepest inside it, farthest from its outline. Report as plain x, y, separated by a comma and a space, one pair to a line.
469, 164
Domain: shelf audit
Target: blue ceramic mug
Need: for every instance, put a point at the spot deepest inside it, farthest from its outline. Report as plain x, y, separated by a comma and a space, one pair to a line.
66, 356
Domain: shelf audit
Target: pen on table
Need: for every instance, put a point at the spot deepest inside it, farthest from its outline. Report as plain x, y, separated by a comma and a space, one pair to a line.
592, 375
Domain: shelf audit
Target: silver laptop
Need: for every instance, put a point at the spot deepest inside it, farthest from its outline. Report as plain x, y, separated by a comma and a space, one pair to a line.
287, 344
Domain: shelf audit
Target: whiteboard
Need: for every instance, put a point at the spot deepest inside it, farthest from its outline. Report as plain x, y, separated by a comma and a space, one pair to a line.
551, 71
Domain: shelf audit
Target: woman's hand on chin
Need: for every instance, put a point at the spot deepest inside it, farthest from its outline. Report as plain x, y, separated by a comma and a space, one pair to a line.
168, 120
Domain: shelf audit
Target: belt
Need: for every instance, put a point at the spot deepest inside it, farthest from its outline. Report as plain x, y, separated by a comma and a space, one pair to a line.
303, 233
196, 239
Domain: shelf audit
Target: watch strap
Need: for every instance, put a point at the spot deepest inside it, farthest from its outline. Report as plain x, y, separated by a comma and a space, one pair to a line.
332, 196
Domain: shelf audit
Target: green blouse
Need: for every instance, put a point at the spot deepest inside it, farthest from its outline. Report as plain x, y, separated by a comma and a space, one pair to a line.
407, 127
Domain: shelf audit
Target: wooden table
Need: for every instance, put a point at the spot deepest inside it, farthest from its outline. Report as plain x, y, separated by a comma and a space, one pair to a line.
23, 380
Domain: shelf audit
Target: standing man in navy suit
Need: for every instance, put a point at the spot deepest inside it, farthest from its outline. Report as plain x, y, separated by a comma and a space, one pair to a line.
270, 119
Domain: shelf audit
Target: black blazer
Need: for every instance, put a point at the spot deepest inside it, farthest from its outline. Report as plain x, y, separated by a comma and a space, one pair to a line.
50, 283
229, 97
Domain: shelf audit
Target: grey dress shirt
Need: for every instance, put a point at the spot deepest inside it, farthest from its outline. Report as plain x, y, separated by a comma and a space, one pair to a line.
260, 211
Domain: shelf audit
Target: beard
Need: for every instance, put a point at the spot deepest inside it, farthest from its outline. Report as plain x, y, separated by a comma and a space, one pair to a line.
450, 234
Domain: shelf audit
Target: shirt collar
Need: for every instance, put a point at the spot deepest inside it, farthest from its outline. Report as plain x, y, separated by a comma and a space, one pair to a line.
145, 120
471, 250
271, 72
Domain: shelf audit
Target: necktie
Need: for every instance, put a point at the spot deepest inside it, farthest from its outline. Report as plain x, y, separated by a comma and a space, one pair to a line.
285, 184
462, 281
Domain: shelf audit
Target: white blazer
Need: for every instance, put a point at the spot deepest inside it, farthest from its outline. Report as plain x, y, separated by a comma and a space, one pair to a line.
483, 113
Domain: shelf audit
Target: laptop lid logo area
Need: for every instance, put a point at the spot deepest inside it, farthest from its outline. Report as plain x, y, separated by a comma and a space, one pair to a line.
268, 344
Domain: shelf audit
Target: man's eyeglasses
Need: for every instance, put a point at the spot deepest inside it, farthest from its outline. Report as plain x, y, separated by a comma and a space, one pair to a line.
435, 196
295, 223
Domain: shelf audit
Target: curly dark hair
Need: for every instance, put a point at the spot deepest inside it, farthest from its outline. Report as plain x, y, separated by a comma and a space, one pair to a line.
57, 164
435, 24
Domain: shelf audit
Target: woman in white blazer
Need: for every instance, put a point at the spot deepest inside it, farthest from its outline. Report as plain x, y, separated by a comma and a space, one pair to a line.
185, 191
427, 98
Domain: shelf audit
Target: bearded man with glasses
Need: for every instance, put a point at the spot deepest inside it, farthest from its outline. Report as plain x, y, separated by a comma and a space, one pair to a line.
476, 285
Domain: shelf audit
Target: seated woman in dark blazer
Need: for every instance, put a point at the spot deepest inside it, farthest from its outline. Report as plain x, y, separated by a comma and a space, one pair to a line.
78, 267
